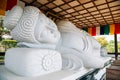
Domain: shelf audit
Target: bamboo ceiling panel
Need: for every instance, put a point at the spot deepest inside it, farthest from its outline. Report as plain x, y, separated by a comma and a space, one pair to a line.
83, 13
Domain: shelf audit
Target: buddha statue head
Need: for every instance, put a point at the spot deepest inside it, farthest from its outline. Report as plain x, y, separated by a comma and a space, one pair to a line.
32, 28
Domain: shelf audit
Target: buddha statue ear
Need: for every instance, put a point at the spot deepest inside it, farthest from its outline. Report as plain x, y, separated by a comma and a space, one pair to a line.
12, 17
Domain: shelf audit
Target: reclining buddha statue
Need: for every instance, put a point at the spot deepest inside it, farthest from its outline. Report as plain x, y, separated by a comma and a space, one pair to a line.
37, 37
77, 46
44, 47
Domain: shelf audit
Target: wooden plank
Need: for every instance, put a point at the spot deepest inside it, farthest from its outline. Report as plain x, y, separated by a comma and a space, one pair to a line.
116, 62
113, 73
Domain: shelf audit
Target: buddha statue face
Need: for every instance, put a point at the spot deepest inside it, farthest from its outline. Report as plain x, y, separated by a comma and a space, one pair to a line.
48, 35
48, 32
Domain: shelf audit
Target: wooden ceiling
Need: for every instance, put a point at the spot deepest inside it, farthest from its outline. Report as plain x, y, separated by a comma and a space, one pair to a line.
83, 13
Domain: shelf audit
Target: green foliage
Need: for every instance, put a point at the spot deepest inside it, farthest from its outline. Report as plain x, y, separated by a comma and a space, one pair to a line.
102, 41
5, 44
2, 49
9, 43
119, 47
110, 47
1, 58
1, 30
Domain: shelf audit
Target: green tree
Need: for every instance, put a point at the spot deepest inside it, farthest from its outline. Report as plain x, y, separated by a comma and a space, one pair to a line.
110, 47
119, 47
102, 41
5, 44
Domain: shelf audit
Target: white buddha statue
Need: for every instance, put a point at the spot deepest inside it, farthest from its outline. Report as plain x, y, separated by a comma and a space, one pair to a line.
37, 37
35, 29
77, 46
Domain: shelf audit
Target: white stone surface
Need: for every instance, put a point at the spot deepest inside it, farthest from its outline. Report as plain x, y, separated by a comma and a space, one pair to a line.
24, 31
103, 52
35, 28
39, 36
32, 62
80, 44
12, 17
5, 74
